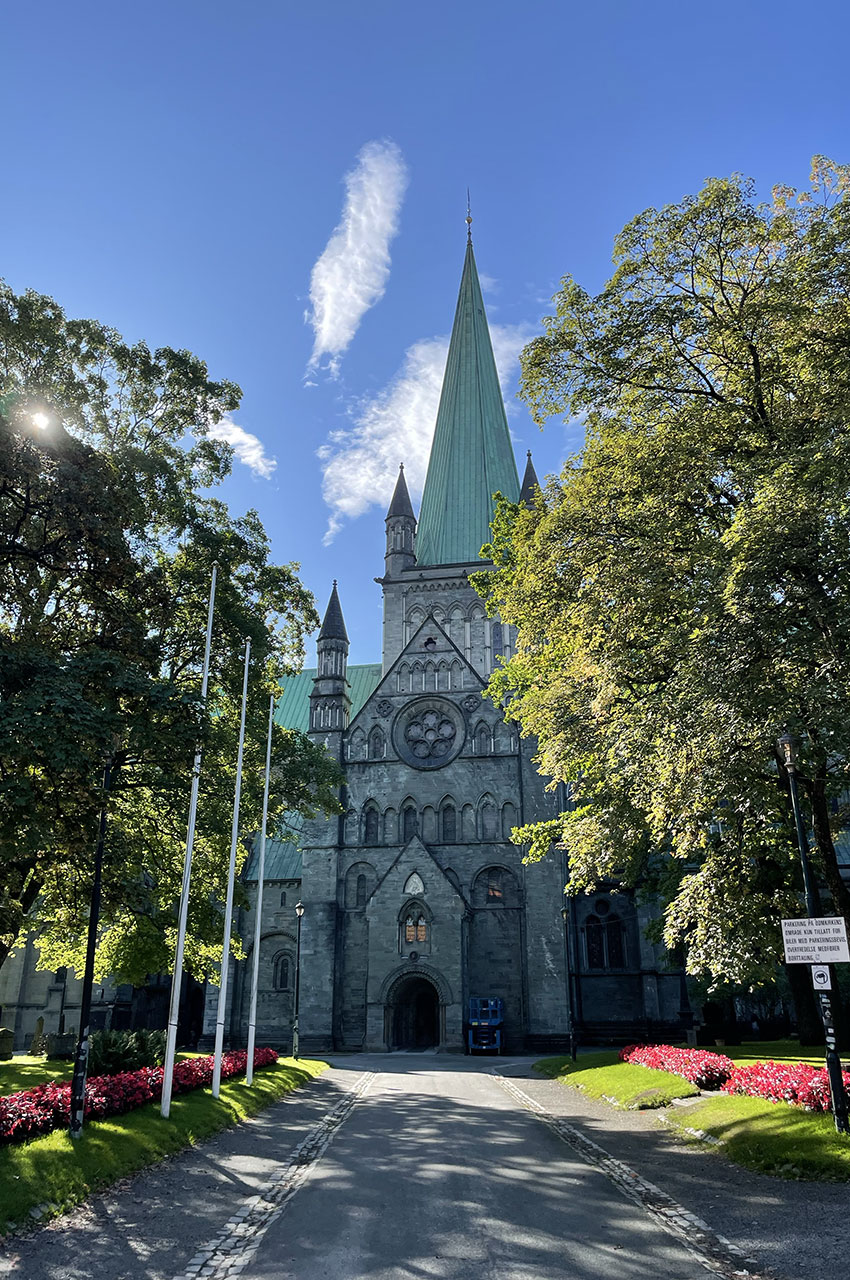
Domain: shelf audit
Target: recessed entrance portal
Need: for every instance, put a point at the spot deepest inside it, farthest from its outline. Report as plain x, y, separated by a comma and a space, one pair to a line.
415, 1015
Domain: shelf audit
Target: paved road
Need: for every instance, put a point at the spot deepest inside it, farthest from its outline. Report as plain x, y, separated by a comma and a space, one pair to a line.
439, 1173
399, 1167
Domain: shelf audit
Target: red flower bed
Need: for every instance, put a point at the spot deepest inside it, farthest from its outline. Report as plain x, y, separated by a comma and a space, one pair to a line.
797, 1082
705, 1070
48, 1106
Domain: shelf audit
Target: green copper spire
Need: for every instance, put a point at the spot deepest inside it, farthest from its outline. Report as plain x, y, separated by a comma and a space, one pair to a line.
471, 456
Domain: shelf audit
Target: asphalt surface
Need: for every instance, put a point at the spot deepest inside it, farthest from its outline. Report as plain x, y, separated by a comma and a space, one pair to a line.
427, 1168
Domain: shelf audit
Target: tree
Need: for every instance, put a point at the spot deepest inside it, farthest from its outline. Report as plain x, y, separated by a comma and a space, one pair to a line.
107, 542
681, 592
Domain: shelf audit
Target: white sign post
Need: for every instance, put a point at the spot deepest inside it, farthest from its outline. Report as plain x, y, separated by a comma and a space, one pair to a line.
815, 940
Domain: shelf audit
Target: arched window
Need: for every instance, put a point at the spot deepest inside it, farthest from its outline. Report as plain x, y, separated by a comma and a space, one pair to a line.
283, 898
604, 938
362, 890
370, 829
449, 824
409, 823
495, 887
482, 741
282, 971
377, 745
415, 929
489, 819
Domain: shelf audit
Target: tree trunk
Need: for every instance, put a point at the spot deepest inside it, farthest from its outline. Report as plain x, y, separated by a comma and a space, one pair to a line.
27, 899
809, 1024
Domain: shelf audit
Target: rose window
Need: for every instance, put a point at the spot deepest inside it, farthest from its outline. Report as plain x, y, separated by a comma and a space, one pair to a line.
429, 732
431, 736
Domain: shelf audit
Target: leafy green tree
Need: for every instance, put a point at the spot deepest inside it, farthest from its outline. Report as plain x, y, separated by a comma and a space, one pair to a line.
682, 591
107, 542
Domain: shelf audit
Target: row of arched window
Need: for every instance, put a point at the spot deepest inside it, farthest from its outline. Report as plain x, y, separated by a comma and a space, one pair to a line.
485, 740
448, 824
492, 886
468, 628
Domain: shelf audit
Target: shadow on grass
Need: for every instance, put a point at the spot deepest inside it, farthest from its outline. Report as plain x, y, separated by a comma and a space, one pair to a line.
53, 1173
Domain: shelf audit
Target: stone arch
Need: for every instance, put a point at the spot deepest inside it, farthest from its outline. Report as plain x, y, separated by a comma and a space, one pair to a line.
449, 820
509, 819
468, 824
408, 825
390, 826
351, 830
457, 625
377, 743
503, 738
357, 745
360, 880
396, 977
495, 886
429, 824
456, 674
482, 739
371, 823
488, 818
402, 679
443, 675
430, 677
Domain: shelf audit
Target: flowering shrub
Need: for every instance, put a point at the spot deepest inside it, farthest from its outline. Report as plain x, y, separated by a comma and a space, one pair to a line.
705, 1070
48, 1106
796, 1082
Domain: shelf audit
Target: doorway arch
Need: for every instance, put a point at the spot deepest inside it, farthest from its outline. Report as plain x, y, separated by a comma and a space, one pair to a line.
413, 1018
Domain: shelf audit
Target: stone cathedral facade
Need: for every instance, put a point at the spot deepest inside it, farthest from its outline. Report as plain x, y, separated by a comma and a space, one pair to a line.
415, 898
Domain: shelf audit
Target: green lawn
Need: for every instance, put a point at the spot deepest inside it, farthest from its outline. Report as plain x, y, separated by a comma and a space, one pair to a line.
24, 1072
744, 1055
601, 1075
53, 1173
770, 1137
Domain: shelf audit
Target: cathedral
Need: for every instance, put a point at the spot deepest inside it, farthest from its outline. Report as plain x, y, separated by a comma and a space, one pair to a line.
415, 901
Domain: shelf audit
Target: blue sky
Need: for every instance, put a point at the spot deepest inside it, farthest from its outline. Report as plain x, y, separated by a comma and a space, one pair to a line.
179, 169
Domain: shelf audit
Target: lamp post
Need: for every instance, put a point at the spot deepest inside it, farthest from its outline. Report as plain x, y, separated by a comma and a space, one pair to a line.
299, 912
833, 1062
571, 1029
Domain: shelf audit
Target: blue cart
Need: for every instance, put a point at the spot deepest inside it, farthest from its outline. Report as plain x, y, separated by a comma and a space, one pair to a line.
486, 1016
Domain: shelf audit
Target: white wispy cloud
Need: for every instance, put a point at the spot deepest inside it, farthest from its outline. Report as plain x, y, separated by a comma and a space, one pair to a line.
360, 463
351, 274
247, 447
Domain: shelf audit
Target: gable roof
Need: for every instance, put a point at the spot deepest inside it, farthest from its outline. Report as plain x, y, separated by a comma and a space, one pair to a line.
471, 456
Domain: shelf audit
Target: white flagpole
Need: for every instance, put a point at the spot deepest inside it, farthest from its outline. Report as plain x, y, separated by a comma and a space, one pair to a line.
177, 976
231, 876
255, 977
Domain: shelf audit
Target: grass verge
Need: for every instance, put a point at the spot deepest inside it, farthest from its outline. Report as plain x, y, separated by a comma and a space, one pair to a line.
24, 1072
52, 1173
601, 1075
770, 1137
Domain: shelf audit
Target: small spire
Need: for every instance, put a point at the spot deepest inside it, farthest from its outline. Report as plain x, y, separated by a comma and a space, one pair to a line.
529, 483
333, 626
400, 504
468, 218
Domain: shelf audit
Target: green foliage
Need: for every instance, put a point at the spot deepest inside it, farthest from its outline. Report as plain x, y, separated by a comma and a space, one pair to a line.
114, 1051
681, 591
108, 538
624, 1084
54, 1173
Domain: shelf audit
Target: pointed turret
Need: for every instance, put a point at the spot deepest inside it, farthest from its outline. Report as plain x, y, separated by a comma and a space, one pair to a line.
330, 703
401, 529
529, 483
471, 457
333, 624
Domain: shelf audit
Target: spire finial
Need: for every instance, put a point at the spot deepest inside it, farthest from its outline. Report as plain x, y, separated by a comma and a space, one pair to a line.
468, 218
334, 581
528, 454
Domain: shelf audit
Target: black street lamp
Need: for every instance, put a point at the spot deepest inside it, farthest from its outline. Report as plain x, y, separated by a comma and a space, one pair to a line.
81, 1060
299, 911
813, 906
571, 1029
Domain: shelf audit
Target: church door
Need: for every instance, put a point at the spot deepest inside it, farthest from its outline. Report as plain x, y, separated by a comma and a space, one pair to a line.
416, 1016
